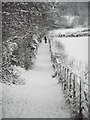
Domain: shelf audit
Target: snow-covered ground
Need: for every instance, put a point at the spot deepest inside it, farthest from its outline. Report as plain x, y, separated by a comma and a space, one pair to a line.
67, 31
40, 97
76, 50
76, 47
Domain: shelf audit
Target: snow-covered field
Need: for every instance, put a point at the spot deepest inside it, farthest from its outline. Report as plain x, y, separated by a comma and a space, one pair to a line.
76, 48
76, 51
67, 31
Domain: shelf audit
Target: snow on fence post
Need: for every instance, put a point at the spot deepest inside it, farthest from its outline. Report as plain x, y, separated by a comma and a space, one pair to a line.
80, 101
70, 85
60, 68
49, 44
74, 92
60, 71
67, 72
63, 77
67, 77
80, 98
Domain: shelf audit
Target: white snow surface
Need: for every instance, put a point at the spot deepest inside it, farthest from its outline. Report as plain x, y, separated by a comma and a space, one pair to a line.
76, 47
65, 31
40, 97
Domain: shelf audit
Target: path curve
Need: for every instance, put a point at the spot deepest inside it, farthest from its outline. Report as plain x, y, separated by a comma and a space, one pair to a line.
40, 97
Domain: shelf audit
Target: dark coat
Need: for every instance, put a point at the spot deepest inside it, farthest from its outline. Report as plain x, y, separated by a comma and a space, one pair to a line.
45, 38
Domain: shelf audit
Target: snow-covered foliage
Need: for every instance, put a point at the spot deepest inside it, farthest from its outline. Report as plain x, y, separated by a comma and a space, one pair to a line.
18, 72
20, 42
72, 32
25, 23
72, 70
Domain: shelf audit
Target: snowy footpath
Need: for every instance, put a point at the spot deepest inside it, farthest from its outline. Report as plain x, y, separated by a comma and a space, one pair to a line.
40, 97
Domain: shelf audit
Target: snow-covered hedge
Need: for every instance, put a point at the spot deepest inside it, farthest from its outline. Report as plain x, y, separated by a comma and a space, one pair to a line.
18, 51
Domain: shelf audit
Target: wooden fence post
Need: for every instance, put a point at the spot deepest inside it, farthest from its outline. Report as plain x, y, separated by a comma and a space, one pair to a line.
60, 68
74, 92
65, 74
67, 77
62, 73
80, 98
80, 102
62, 76
70, 82
70, 85
59, 72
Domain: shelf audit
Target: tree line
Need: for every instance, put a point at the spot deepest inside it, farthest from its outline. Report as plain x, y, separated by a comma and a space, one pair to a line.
25, 23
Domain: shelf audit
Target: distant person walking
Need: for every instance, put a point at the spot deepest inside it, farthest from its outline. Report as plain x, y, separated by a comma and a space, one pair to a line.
45, 38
